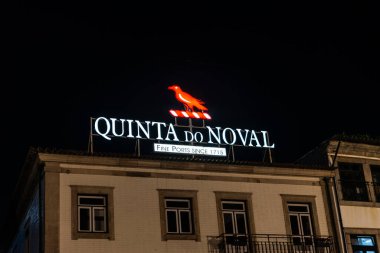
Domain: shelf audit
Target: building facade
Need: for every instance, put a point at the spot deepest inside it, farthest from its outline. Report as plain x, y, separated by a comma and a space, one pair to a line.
75, 202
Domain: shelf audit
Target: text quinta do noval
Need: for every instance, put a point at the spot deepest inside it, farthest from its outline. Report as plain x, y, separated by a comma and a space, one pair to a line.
152, 130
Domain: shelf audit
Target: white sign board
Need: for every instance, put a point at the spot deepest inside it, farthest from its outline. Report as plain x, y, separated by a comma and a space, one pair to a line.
189, 150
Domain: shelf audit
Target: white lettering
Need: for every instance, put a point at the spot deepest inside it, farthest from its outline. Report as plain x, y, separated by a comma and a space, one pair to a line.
187, 133
159, 124
108, 127
113, 120
113, 127
266, 138
254, 138
130, 135
212, 133
243, 140
145, 131
198, 136
233, 136
172, 132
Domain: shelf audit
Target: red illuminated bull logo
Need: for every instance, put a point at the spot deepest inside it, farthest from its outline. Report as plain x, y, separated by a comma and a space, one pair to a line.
189, 103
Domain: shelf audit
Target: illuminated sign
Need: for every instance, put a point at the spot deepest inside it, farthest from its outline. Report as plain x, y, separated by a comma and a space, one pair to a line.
169, 136
110, 128
189, 102
189, 150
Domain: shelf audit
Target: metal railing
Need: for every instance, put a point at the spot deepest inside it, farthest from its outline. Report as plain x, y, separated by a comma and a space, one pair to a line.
270, 243
376, 187
355, 190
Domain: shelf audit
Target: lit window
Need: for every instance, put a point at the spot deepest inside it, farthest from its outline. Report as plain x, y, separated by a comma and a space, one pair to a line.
363, 241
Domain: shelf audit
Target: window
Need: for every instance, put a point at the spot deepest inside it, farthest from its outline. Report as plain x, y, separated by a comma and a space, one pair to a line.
353, 184
363, 244
234, 217
300, 223
92, 212
234, 211
179, 215
301, 219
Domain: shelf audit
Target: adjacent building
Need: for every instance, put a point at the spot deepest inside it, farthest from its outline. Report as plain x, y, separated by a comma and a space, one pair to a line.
75, 202
357, 189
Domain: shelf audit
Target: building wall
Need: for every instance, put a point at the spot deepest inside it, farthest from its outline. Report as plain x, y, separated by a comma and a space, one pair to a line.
137, 214
28, 234
360, 217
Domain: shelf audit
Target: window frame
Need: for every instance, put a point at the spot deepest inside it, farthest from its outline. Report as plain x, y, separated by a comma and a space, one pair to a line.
351, 189
245, 197
301, 199
92, 208
173, 194
178, 211
362, 232
92, 191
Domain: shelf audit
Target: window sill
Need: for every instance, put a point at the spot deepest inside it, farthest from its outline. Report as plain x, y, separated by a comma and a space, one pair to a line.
359, 203
84, 235
180, 237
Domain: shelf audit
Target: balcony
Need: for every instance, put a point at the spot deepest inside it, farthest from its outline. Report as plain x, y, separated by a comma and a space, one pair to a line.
355, 190
270, 244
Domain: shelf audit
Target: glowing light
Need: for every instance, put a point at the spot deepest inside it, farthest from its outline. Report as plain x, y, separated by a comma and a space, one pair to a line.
185, 114
196, 115
187, 100
180, 96
172, 112
207, 115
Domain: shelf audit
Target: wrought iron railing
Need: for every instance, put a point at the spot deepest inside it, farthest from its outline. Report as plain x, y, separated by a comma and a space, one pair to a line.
355, 190
270, 243
376, 187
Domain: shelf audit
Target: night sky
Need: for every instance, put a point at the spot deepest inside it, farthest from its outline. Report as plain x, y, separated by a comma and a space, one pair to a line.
301, 72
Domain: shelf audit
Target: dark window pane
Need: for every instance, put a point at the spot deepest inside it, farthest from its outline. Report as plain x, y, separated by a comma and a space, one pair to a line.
233, 206
171, 219
228, 225
99, 219
306, 226
351, 172
293, 208
240, 220
296, 240
185, 222
177, 203
92, 201
84, 219
294, 225
354, 190
375, 170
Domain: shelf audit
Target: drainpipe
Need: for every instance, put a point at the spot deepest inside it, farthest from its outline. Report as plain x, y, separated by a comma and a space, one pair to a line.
337, 205
337, 227
339, 216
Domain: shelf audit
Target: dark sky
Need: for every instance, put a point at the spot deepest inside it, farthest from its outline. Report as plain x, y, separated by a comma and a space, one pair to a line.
302, 72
